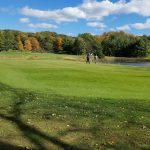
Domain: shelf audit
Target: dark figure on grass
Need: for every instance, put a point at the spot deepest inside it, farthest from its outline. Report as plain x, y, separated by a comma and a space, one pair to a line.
88, 58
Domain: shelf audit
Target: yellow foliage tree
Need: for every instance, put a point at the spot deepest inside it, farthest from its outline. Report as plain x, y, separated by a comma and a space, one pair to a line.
35, 44
99, 38
58, 44
19, 43
27, 45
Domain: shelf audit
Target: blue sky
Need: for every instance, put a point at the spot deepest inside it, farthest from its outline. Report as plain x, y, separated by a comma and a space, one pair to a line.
72, 17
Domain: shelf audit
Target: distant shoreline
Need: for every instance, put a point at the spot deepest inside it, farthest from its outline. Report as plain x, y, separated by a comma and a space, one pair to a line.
124, 59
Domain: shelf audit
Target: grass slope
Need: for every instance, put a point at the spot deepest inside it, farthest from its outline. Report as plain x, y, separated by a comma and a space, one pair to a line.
49, 102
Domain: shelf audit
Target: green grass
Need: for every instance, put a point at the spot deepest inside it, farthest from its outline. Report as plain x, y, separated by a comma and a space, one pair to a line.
50, 102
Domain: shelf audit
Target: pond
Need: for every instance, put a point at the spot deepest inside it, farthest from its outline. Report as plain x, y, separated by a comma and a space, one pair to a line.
144, 64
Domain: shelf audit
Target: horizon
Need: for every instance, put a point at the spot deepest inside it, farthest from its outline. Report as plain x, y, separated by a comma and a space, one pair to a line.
76, 17
73, 35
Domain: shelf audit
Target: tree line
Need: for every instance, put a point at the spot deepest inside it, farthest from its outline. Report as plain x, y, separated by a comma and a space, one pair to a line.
118, 44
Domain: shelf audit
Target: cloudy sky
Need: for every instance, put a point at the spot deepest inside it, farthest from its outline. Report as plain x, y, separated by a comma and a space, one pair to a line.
76, 16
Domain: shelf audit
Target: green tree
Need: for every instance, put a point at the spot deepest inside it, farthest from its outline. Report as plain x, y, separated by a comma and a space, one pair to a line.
88, 39
119, 44
97, 48
142, 47
2, 41
67, 45
10, 42
93, 44
79, 46
46, 41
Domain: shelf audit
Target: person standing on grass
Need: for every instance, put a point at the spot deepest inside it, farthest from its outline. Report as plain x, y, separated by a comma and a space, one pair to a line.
95, 58
88, 58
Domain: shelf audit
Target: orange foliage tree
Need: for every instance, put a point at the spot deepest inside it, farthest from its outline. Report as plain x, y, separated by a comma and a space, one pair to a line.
58, 44
35, 44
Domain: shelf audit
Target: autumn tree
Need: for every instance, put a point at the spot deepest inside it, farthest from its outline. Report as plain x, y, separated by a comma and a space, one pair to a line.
58, 45
34, 43
28, 45
118, 44
19, 42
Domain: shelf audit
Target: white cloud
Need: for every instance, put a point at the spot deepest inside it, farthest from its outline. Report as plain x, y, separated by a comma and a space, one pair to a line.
98, 25
124, 27
42, 25
98, 9
138, 26
140, 7
141, 26
24, 20
95, 10
91, 10
59, 15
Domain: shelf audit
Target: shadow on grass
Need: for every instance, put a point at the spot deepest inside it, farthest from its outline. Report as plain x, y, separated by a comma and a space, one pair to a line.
8, 146
31, 133
109, 119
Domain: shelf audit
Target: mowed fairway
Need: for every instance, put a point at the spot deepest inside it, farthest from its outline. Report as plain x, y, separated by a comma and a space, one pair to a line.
55, 102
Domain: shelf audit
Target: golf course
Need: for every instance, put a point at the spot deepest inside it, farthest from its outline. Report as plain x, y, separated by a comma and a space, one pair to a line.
58, 102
